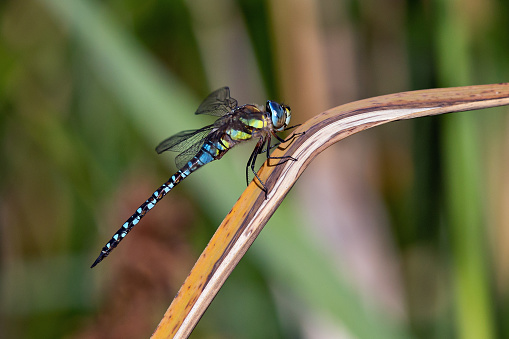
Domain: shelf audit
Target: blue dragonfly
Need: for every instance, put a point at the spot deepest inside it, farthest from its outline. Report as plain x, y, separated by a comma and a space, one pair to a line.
199, 147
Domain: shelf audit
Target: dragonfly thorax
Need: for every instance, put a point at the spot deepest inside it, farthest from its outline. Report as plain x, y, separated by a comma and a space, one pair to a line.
280, 115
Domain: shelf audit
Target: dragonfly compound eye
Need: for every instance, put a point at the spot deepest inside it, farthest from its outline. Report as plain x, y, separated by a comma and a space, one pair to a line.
279, 115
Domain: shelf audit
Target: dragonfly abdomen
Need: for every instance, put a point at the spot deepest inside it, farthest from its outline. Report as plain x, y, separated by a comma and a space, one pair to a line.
134, 219
209, 151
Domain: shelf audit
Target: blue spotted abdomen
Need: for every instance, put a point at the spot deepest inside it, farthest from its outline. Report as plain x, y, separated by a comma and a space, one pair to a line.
210, 151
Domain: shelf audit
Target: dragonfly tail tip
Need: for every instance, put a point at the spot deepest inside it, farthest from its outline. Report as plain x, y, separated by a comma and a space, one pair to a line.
98, 260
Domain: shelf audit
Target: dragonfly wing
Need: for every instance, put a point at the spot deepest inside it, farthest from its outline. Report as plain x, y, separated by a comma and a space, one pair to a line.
184, 140
184, 157
218, 103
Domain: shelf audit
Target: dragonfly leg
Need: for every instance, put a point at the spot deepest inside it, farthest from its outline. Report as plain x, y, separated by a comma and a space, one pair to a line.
296, 134
291, 137
282, 141
252, 161
249, 163
261, 150
284, 158
292, 127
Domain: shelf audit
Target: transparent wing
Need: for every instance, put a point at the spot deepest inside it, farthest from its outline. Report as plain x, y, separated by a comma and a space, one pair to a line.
188, 154
184, 140
218, 103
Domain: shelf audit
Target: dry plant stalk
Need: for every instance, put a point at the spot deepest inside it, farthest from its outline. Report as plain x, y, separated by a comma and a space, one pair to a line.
251, 212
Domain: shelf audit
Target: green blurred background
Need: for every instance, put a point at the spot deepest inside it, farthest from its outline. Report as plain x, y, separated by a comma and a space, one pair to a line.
397, 232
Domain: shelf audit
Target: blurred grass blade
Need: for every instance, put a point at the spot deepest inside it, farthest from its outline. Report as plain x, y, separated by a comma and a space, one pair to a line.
251, 212
147, 91
464, 198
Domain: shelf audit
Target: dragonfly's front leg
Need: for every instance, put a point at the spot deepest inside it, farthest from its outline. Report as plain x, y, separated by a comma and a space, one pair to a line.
286, 157
292, 127
283, 140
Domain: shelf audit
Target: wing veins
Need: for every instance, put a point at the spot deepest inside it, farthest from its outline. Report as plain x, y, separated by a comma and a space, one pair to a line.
183, 140
218, 103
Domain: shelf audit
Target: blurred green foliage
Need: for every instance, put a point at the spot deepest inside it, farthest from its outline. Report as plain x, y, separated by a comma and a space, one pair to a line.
400, 232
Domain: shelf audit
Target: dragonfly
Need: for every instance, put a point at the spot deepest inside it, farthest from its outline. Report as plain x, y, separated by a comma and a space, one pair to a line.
198, 147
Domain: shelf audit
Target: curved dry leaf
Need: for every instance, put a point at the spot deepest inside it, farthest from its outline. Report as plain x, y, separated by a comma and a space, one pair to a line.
252, 211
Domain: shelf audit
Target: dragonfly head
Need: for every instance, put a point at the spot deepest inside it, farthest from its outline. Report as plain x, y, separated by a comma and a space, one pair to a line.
280, 115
